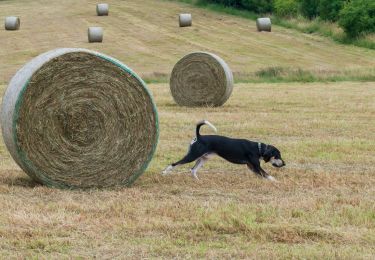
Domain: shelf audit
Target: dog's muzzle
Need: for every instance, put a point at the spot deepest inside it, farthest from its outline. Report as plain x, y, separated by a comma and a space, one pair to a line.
277, 163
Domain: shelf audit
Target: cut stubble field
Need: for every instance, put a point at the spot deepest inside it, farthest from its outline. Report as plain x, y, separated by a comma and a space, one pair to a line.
322, 208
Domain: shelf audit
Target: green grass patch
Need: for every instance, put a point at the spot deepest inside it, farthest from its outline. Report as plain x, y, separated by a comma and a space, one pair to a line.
286, 74
277, 74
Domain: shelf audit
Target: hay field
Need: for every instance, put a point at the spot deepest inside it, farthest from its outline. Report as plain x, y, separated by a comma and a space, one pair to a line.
323, 207
145, 35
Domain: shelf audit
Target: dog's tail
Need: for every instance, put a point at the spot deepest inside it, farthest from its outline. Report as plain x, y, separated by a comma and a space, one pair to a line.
203, 122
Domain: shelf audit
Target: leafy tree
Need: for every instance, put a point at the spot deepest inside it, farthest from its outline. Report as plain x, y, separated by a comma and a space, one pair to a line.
358, 17
309, 8
258, 6
286, 7
329, 9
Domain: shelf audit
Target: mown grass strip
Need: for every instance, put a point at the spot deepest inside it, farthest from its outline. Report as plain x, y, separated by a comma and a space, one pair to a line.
286, 74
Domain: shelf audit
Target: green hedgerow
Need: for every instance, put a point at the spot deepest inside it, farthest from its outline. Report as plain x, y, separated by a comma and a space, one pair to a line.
358, 17
329, 9
285, 8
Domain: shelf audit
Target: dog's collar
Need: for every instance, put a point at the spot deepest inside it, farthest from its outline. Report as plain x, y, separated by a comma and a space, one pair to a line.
260, 149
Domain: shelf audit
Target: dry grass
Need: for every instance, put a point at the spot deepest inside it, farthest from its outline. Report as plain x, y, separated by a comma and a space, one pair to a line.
323, 207
151, 42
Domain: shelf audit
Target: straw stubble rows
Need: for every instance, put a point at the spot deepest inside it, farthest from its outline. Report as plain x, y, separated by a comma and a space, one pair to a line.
322, 207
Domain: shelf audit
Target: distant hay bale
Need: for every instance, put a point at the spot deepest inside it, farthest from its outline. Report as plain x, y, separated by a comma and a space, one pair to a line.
185, 20
74, 118
102, 9
95, 34
201, 79
12, 23
264, 24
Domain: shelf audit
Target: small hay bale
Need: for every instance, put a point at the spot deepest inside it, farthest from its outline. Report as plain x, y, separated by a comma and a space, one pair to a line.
264, 24
185, 20
201, 79
12, 23
74, 118
95, 34
102, 9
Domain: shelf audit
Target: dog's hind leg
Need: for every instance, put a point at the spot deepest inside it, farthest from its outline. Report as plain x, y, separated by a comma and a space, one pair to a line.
196, 151
197, 166
190, 157
167, 170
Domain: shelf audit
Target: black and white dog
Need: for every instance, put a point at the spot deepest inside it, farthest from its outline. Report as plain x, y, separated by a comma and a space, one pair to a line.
239, 151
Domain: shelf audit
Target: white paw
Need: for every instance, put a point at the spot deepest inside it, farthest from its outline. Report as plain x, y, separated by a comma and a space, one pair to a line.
194, 175
269, 177
167, 170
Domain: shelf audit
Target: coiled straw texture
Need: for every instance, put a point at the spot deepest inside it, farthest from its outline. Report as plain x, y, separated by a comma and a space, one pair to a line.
201, 79
73, 118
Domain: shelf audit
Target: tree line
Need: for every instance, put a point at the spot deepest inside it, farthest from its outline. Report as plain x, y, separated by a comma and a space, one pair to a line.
355, 17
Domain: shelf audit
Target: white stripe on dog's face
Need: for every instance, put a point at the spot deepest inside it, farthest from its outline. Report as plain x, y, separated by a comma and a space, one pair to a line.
276, 162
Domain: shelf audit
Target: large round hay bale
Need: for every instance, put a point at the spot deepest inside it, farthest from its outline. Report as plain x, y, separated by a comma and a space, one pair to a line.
95, 34
185, 20
74, 118
201, 79
12, 23
264, 24
102, 9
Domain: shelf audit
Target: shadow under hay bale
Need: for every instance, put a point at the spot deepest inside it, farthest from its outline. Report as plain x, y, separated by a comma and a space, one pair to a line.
201, 79
73, 118
263, 24
24, 182
12, 23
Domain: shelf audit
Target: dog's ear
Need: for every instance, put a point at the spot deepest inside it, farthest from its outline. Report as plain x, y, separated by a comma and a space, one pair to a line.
268, 154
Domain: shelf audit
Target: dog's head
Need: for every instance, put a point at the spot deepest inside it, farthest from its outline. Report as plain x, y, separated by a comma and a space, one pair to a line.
273, 155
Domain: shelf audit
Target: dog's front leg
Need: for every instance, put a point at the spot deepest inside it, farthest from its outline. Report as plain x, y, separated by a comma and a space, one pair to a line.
266, 175
255, 167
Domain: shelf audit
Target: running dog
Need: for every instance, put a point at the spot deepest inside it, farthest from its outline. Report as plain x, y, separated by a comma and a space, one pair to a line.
238, 151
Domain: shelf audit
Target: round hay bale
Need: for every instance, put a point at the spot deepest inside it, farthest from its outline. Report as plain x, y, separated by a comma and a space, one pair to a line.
185, 20
74, 118
12, 23
264, 24
201, 79
102, 9
95, 34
